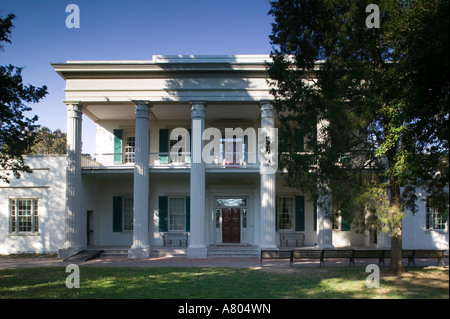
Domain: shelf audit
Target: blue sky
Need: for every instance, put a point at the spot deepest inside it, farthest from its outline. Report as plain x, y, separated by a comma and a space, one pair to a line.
124, 30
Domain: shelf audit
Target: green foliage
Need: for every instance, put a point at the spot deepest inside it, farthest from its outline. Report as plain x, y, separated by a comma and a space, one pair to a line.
376, 117
48, 142
17, 131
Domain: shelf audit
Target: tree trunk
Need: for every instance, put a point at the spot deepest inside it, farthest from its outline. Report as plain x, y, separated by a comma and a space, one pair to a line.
396, 229
396, 249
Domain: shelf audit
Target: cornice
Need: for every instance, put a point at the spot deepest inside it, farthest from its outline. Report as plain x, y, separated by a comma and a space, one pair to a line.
78, 74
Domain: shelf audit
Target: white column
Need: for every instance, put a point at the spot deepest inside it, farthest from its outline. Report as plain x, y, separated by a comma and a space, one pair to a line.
324, 201
324, 223
197, 239
75, 231
267, 186
141, 247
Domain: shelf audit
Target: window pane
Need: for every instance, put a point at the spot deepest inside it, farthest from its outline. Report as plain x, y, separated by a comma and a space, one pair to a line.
24, 215
35, 215
13, 214
231, 202
129, 147
128, 213
285, 213
177, 216
434, 220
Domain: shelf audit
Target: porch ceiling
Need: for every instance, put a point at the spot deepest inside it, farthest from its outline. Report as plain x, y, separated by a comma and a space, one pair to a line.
172, 111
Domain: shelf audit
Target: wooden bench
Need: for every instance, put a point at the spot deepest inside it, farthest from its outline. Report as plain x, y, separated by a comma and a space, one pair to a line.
292, 238
306, 254
427, 254
413, 254
406, 253
369, 254
275, 254
175, 239
352, 254
338, 253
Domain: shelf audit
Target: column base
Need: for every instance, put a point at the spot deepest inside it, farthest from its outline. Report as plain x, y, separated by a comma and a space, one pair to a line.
197, 252
64, 253
139, 252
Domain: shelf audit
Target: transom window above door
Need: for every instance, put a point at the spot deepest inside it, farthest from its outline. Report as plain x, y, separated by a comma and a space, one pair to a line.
231, 202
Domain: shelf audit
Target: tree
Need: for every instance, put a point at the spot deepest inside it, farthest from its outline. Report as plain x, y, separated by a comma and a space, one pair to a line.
17, 131
48, 142
348, 89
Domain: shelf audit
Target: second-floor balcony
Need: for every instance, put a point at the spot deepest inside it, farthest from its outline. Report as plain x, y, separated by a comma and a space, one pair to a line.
165, 160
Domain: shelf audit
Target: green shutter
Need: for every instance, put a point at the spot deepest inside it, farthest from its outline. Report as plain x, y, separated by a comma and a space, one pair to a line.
164, 145
188, 213
276, 213
118, 146
163, 205
299, 213
117, 214
345, 226
298, 141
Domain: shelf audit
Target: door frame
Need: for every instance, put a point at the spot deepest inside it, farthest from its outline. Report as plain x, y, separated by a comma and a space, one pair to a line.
218, 219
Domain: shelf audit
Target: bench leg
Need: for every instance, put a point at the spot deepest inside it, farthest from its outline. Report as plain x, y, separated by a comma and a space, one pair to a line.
411, 260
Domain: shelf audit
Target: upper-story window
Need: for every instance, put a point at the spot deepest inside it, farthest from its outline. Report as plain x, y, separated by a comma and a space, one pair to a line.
129, 147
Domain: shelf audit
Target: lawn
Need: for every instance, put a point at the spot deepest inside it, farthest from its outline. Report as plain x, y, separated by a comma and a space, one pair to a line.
221, 283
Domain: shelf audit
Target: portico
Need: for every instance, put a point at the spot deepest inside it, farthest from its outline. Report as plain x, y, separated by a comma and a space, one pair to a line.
220, 202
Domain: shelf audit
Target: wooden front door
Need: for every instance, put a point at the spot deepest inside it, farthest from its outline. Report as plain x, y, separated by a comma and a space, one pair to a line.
231, 225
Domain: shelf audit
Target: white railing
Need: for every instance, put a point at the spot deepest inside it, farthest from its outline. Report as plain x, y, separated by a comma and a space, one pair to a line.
165, 160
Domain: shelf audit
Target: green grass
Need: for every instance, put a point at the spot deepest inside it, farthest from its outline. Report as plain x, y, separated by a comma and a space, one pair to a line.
221, 283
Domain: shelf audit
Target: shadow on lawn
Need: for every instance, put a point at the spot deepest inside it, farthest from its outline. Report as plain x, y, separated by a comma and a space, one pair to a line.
221, 283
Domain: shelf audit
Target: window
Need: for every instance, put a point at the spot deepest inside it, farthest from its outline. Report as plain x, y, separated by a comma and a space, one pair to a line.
129, 147
177, 214
285, 213
180, 149
336, 221
24, 215
339, 223
127, 213
434, 220
233, 150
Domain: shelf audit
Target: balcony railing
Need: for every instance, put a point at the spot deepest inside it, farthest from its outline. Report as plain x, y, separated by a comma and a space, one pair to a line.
165, 160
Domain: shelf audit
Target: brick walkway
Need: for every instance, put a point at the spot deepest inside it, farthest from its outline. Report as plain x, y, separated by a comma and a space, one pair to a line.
239, 262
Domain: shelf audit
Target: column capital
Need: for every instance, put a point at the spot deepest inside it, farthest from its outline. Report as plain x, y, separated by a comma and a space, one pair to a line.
263, 102
267, 108
198, 109
74, 109
141, 102
142, 108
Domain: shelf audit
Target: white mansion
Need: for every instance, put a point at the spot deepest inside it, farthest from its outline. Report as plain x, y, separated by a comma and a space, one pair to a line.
134, 194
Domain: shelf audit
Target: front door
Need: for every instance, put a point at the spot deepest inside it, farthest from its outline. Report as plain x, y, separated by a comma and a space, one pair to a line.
231, 225
90, 227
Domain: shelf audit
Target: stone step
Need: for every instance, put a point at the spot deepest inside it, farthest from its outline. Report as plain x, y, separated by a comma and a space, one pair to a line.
171, 252
233, 251
214, 251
